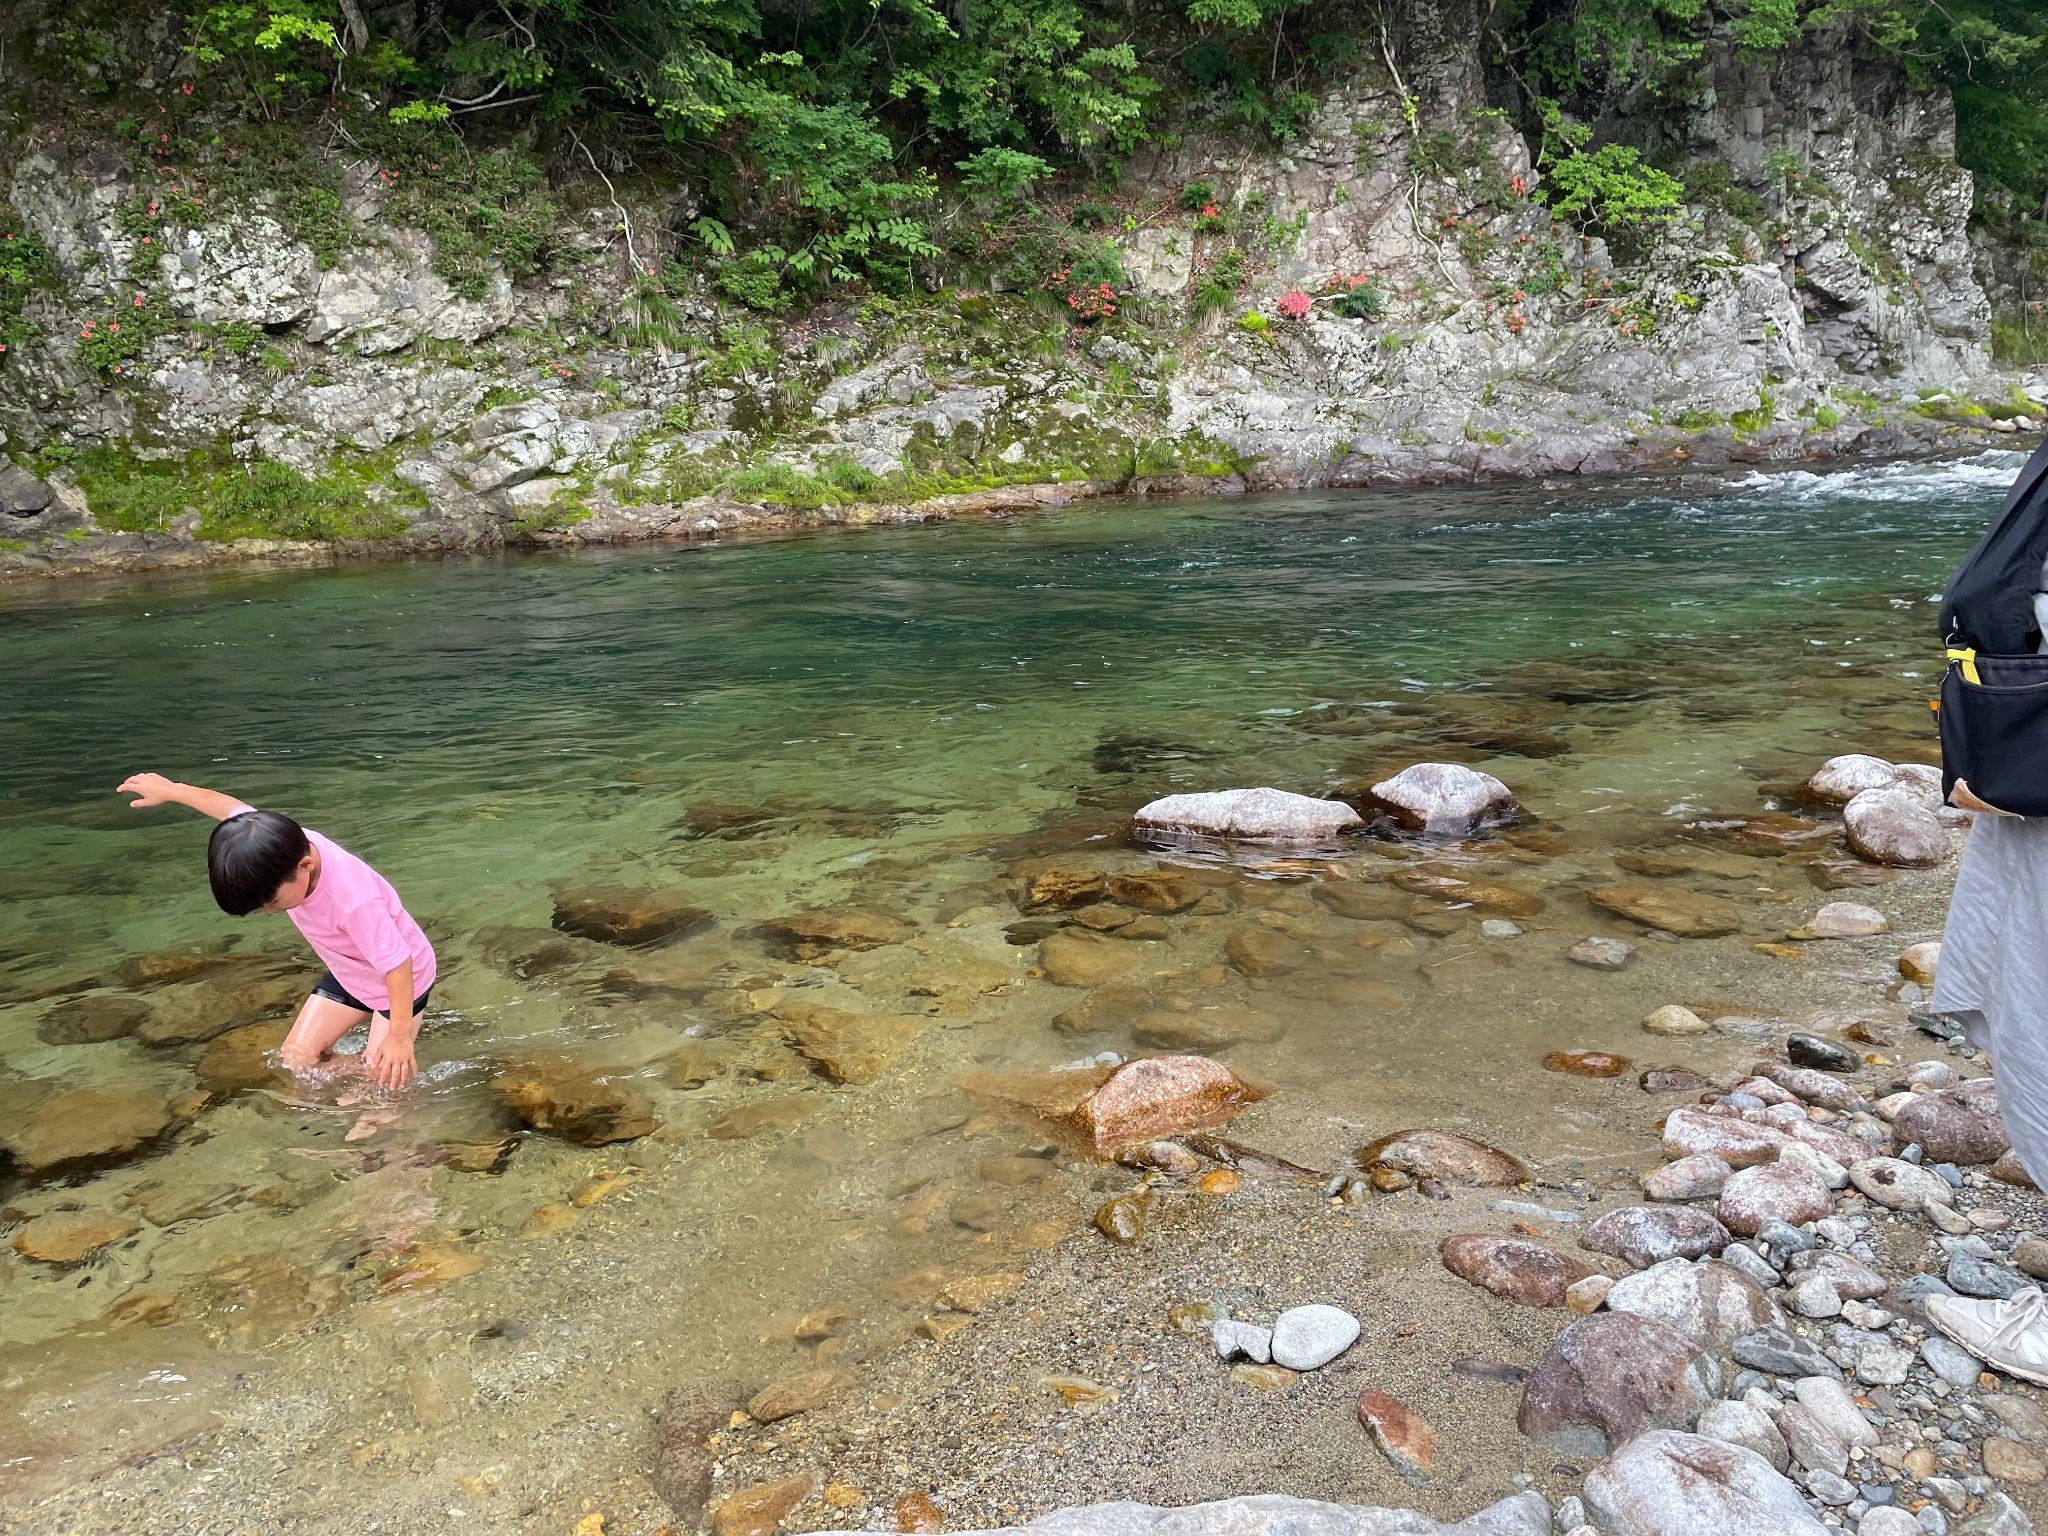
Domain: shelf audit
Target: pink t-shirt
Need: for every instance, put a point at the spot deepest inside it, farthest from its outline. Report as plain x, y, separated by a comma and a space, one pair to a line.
358, 926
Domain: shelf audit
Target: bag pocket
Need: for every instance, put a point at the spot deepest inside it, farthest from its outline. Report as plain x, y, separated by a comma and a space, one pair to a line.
1994, 732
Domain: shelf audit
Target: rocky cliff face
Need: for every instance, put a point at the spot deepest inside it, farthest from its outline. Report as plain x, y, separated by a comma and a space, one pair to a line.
1818, 299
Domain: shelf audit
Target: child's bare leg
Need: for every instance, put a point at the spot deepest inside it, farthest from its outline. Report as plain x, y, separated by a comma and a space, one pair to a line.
320, 1023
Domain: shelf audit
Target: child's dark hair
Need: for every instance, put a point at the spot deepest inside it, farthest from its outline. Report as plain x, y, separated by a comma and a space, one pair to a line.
249, 856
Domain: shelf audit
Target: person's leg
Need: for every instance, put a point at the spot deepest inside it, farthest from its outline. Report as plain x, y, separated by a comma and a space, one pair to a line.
320, 1023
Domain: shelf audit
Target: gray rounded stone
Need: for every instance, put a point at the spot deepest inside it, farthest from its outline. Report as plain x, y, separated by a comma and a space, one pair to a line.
1305, 1338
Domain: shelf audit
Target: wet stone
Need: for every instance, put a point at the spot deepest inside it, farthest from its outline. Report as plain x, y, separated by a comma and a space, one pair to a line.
1073, 957
1847, 920
795, 1394
1891, 826
1674, 1020
1159, 1096
1444, 1157
566, 1098
1601, 954
92, 1019
1824, 1055
1160, 891
83, 1128
1586, 1063
1122, 1218
808, 935
1672, 1080
1670, 909
1250, 815
1439, 800
1525, 1273
614, 915
759, 1510
69, 1237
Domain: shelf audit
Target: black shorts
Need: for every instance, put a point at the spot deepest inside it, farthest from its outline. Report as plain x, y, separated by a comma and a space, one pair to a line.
335, 992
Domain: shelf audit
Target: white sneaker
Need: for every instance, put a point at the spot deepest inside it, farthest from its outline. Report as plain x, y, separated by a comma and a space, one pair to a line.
2011, 1336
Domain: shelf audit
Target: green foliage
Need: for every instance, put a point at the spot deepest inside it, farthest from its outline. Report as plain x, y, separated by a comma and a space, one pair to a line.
748, 350
234, 501
1610, 188
239, 337
485, 211
110, 342
1001, 172
754, 280
26, 266
283, 50
313, 214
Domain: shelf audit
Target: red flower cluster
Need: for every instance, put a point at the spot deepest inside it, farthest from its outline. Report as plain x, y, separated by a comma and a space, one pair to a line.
1345, 282
1093, 303
1519, 185
1211, 211
1295, 305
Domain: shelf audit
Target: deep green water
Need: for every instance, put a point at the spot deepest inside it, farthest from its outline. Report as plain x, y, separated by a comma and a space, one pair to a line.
902, 715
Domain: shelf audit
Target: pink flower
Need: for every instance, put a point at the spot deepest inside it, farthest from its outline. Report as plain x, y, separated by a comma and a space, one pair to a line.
113, 325
188, 90
1295, 304
136, 301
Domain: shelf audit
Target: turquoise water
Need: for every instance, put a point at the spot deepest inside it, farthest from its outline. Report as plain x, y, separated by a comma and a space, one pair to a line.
887, 720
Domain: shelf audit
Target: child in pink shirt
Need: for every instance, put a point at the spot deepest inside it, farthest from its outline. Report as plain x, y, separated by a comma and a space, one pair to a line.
379, 965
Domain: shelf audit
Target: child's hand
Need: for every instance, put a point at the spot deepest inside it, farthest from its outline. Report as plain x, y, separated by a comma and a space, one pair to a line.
389, 1056
149, 788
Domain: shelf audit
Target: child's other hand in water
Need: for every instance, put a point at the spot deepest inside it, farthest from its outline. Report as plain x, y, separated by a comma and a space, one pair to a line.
389, 1058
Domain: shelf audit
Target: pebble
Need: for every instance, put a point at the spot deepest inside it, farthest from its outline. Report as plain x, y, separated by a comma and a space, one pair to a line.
1601, 954
1233, 1338
1305, 1338
1674, 1021
1889, 1522
1583, 1297
1784, 1238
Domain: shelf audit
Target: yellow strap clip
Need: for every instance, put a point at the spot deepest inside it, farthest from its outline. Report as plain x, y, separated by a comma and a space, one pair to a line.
1968, 658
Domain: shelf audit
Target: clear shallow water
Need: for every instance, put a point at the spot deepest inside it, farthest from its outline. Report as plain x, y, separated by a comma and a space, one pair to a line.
888, 720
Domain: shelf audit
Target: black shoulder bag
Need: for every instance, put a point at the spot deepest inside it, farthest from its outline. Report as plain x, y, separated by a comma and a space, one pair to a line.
1994, 695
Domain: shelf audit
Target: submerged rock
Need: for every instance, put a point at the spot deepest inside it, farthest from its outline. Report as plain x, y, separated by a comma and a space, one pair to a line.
1160, 1096
1074, 957
1610, 1377
1361, 902
848, 1047
1525, 1273
92, 1019
809, 935
1586, 1063
1121, 1218
1444, 1157
1600, 953
1666, 1483
1248, 815
67, 1237
1440, 800
570, 1099
616, 915
84, 1128
1670, 909
1159, 891
1847, 920
1486, 895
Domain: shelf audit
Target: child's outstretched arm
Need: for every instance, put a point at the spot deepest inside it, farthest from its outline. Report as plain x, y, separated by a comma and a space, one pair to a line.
154, 789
